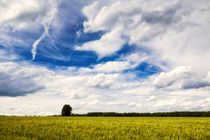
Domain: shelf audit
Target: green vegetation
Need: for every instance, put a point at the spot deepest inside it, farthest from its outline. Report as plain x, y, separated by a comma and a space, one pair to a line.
157, 114
66, 110
107, 128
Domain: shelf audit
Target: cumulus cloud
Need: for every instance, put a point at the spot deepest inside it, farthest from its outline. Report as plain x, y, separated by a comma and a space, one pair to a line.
181, 78
161, 26
113, 66
20, 14
174, 33
102, 80
132, 14
109, 43
125, 62
101, 92
19, 81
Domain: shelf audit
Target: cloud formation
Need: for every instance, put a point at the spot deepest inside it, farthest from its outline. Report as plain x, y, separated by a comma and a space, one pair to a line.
112, 45
181, 78
160, 26
101, 92
46, 22
20, 81
20, 15
109, 43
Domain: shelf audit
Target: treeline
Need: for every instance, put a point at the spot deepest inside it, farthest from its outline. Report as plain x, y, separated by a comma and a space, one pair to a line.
157, 114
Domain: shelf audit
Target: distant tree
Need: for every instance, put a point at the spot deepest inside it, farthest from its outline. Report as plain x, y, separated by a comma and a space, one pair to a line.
66, 110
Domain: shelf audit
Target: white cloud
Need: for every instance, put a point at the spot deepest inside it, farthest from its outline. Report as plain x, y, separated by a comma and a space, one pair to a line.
108, 17
7, 40
19, 81
91, 10
18, 14
181, 78
109, 43
102, 92
125, 62
137, 57
175, 32
113, 66
102, 80
26, 15
46, 21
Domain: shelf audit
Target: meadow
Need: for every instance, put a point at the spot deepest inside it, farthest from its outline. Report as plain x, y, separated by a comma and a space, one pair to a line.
104, 128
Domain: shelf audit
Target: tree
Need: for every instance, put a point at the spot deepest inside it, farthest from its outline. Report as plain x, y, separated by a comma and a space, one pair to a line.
66, 110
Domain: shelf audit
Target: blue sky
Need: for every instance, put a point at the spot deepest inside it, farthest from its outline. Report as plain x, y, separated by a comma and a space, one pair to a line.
127, 55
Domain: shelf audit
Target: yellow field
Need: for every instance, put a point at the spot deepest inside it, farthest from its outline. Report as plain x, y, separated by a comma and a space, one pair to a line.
106, 128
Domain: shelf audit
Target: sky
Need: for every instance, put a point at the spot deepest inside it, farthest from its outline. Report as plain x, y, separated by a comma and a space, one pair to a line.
108, 56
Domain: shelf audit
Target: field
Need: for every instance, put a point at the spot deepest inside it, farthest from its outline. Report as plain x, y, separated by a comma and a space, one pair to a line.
107, 128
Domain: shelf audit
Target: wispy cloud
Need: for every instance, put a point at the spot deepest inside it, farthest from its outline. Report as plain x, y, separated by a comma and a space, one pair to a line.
26, 16
46, 21
36, 43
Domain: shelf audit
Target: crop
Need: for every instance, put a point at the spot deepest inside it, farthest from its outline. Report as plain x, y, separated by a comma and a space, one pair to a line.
104, 128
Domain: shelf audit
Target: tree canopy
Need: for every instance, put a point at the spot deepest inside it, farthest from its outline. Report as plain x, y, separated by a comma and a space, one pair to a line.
66, 110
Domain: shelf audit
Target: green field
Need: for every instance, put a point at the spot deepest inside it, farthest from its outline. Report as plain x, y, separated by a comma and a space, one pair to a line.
107, 128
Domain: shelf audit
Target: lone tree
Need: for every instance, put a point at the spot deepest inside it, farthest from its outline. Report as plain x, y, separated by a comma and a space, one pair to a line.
66, 110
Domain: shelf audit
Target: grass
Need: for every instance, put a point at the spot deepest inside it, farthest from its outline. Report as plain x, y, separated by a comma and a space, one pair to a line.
104, 128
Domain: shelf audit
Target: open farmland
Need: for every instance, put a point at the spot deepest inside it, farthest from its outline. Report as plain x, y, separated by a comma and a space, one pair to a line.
116, 128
